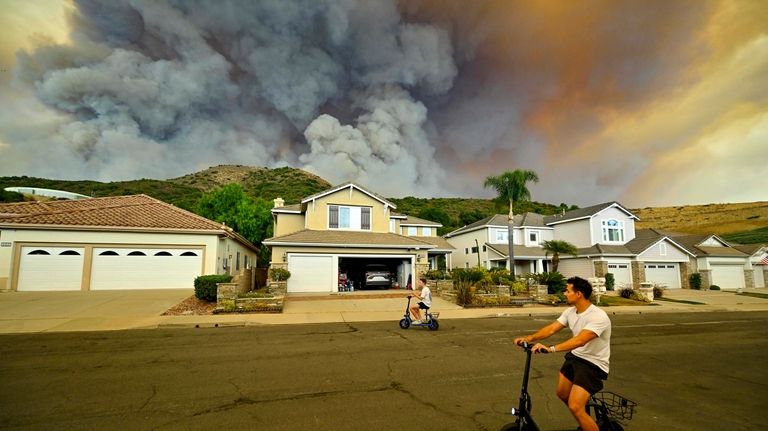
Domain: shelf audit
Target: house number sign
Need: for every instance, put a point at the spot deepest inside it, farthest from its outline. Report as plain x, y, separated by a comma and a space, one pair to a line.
5, 244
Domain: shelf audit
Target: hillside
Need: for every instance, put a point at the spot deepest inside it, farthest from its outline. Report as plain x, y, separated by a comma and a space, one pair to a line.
726, 220
746, 223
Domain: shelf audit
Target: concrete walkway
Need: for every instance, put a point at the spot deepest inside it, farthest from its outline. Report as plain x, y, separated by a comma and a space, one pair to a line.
29, 312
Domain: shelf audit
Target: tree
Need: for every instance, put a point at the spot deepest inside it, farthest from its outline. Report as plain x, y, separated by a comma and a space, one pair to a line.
511, 186
250, 217
558, 247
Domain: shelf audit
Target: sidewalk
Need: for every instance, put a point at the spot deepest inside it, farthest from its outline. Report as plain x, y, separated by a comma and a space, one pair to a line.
31, 312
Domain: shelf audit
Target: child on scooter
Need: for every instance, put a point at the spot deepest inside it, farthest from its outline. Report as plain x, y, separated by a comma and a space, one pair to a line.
425, 300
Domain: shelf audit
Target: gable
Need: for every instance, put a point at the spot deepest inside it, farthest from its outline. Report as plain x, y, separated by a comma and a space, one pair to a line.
317, 213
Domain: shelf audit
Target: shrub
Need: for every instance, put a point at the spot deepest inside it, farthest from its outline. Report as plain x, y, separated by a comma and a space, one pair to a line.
518, 287
469, 275
463, 292
205, 286
500, 276
554, 280
279, 274
658, 292
626, 293
610, 282
695, 280
714, 287
436, 274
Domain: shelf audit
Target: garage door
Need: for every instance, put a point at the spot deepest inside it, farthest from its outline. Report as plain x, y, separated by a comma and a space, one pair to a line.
50, 268
621, 274
311, 273
728, 276
146, 268
667, 274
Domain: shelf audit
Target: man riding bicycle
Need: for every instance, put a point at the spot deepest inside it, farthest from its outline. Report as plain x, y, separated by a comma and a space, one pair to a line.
589, 350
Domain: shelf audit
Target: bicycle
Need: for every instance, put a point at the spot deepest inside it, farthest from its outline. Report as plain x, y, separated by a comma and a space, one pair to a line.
610, 409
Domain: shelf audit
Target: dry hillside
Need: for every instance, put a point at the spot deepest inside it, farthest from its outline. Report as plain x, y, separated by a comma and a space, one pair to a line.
711, 218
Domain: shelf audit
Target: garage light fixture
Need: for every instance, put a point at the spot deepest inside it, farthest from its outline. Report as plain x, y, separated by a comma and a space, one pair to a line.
285, 256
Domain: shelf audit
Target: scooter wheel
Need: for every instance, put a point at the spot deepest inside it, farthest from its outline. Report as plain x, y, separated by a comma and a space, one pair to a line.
405, 324
433, 325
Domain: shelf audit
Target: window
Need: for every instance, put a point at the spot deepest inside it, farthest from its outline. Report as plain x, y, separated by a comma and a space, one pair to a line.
69, 253
189, 253
613, 230
474, 249
466, 251
341, 217
237, 262
533, 237
413, 231
163, 253
484, 248
137, 253
108, 253
391, 225
40, 252
502, 235
663, 249
425, 231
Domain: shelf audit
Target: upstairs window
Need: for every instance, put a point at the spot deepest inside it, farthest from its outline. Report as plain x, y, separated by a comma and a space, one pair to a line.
426, 231
502, 235
343, 217
613, 230
412, 231
533, 237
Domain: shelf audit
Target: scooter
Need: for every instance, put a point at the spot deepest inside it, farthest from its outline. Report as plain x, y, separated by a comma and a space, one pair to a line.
431, 319
608, 407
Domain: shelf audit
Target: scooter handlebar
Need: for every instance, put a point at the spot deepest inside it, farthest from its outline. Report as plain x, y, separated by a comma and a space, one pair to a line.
528, 347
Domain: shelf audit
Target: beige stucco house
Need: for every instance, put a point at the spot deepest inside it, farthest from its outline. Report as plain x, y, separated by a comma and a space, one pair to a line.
343, 230
123, 242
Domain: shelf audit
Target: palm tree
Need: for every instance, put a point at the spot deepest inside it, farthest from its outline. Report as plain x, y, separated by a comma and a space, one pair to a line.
512, 186
558, 247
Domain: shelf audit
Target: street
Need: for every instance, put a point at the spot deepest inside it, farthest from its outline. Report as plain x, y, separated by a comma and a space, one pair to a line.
702, 371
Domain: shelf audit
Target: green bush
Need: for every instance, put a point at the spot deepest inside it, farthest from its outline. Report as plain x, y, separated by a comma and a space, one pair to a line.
205, 286
436, 274
554, 280
500, 276
626, 293
714, 287
471, 275
695, 280
463, 292
610, 282
279, 274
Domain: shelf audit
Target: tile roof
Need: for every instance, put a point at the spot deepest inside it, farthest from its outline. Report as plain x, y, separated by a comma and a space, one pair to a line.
605, 250
520, 250
135, 211
336, 238
584, 212
439, 242
411, 220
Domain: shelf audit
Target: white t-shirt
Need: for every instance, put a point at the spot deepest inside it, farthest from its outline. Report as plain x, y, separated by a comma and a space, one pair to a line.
426, 296
597, 350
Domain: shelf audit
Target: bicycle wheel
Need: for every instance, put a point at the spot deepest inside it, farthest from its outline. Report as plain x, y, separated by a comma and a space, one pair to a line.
405, 324
433, 325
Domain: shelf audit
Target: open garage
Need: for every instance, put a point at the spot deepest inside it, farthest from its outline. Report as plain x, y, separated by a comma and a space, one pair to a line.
325, 272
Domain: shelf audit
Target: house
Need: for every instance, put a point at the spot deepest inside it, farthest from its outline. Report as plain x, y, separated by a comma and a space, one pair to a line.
121, 242
338, 232
485, 243
758, 258
607, 242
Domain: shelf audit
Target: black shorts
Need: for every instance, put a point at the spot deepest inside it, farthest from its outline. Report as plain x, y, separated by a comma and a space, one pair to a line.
583, 373
423, 306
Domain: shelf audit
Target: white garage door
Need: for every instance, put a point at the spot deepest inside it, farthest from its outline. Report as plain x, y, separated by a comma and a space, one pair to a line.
728, 276
667, 274
50, 268
311, 273
621, 274
146, 268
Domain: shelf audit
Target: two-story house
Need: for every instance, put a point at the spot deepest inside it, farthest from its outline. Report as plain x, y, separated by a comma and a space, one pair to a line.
607, 242
343, 230
486, 243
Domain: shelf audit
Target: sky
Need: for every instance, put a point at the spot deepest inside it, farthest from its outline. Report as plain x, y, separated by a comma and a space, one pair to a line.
648, 103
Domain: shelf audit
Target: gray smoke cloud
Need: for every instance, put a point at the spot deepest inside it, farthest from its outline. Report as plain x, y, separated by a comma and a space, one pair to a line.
162, 88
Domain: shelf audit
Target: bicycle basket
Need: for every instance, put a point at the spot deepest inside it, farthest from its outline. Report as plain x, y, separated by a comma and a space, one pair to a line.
618, 407
435, 315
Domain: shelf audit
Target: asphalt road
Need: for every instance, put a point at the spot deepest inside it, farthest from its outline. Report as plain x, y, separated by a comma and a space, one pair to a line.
692, 371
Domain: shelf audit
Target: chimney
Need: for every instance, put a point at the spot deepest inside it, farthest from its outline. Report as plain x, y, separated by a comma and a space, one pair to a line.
279, 202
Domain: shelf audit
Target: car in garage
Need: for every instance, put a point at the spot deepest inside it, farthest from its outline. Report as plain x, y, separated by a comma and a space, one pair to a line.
378, 276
